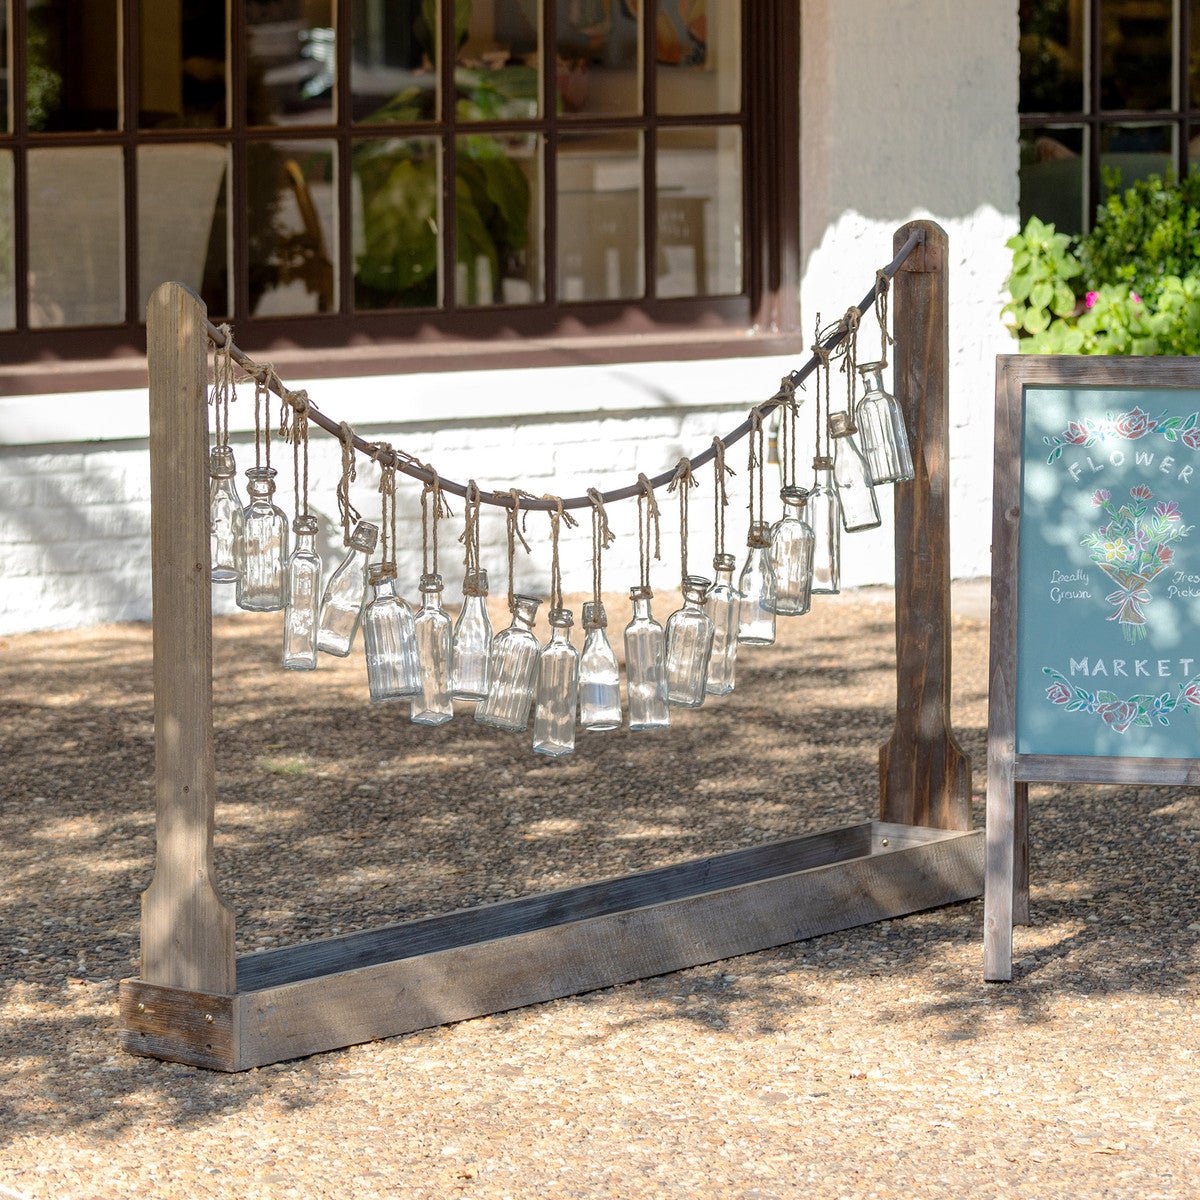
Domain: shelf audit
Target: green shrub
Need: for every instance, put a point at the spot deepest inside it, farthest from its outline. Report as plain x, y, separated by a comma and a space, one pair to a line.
1039, 286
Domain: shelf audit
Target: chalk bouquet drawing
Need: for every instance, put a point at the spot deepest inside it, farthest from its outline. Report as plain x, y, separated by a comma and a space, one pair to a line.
1118, 713
1128, 426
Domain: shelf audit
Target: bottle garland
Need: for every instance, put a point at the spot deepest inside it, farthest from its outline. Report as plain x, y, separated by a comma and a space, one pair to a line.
387, 508
648, 523
682, 482
720, 496
602, 538
224, 389
433, 508
515, 533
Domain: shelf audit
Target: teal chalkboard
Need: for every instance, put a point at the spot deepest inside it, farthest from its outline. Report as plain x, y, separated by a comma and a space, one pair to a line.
1108, 598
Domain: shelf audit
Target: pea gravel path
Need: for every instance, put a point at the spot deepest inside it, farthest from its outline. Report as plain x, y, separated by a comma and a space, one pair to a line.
868, 1064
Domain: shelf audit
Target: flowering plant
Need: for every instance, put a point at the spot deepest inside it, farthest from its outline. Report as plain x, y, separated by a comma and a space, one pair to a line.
1125, 426
1132, 549
1117, 713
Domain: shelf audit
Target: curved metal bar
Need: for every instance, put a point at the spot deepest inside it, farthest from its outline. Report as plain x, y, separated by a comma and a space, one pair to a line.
412, 467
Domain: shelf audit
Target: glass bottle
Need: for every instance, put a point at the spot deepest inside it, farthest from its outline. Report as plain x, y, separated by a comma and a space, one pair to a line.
856, 493
345, 593
599, 675
756, 613
471, 671
722, 605
884, 434
390, 641
227, 520
558, 690
689, 646
262, 581
304, 598
792, 555
645, 665
826, 521
433, 705
515, 652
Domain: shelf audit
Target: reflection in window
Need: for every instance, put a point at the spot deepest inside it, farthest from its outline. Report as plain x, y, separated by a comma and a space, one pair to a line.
72, 76
697, 49
598, 58
291, 65
1129, 153
183, 64
496, 68
1052, 181
1135, 54
1052, 55
8, 278
394, 61
76, 237
5, 124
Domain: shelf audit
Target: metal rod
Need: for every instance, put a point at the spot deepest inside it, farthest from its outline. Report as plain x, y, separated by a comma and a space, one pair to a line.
408, 466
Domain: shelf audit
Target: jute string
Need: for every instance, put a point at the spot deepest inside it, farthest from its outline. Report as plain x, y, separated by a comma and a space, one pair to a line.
433, 509
882, 285
382, 454
602, 538
756, 460
682, 482
558, 518
296, 432
470, 534
648, 523
514, 523
262, 416
223, 390
346, 510
787, 429
852, 320
822, 375
720, 496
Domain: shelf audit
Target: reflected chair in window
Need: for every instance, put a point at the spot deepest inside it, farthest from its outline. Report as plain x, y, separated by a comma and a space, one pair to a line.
304, 256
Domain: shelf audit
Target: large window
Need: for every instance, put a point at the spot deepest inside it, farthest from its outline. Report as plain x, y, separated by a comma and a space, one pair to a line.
1110, 90
333, 172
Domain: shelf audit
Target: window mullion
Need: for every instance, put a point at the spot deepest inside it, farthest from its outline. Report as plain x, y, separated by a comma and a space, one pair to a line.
239, 186
549, 156
343, 167
447, 57
648, 13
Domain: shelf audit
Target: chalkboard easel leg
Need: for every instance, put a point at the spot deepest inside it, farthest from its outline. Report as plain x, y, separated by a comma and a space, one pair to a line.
1000, 900
1020, 913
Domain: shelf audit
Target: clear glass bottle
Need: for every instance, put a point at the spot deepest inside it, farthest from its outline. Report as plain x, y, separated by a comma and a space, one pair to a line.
792, 555
856, 493
558, 690
390, 640
599, 675
262, 580
689, 646
304, 598
824, 515
346, 592
646, 665
433, 705
881, 426
756, 613
515, 652
471, 671
227, 518
722, 605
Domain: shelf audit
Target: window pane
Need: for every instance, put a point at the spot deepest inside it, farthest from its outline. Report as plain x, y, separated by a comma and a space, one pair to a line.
498, 220
599, 58
8, 289
697, 49
290, 62
1192, 85
76, 243
292, 249
394, 62
183, 68
1131, 152
72, 66
396, 186
699, 229
496, 70
183, 221
5, 124
1135, 54
1052, 56
1052, 176
600, 254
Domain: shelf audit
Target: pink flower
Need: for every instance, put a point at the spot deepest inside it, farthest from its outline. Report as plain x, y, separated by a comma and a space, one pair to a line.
1165, 554
1190, 438
1133, 425
1091, 298
1075, 433
1191, 695
1101, 496
1058, 693
1141, 492
1170, 510
1135, 297
1118, 715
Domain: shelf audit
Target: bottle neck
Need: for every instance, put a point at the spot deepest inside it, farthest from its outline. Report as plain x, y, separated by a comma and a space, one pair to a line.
431, 601
641, 609
725, 576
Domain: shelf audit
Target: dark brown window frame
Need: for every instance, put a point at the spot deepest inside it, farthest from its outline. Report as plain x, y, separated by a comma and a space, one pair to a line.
762, 319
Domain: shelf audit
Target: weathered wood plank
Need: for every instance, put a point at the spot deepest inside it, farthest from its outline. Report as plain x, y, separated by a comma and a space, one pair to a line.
1070, 768
924, 775
187, 930
179, 1026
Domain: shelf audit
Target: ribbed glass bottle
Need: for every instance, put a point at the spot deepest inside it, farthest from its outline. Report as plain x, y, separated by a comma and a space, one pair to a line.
825, 517
756, 613
722, 605
262, 578
515, 653
689, 646
881, 426
304, 598
471, 670
558, 690
389, 640
856, 493
433, 703
599, 675
227, 522
792, 555
646, 666
345, 593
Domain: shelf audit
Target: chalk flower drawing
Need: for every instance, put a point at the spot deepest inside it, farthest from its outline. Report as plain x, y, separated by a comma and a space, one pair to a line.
1140, 711
1125, 427
1132, 549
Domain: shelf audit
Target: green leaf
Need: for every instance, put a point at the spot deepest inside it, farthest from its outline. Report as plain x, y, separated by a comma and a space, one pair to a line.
1063, 304
1019, 285
1037, 320
1041, 294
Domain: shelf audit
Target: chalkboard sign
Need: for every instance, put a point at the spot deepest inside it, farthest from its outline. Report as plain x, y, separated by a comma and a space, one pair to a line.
1095, 633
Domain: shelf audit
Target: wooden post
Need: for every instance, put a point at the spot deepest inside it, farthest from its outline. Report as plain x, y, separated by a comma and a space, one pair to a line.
187, 930
924, 776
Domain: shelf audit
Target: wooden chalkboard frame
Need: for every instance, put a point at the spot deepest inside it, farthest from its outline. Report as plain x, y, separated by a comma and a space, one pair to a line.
1006, 883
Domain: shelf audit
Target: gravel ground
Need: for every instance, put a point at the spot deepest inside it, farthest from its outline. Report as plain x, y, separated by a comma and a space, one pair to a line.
871, 1063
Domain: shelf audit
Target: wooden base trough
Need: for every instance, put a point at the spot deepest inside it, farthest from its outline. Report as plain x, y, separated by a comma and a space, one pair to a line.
321, 995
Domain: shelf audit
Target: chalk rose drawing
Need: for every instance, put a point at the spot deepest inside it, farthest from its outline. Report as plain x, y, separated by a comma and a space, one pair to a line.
1132, 549
1125, 427
1122, 714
